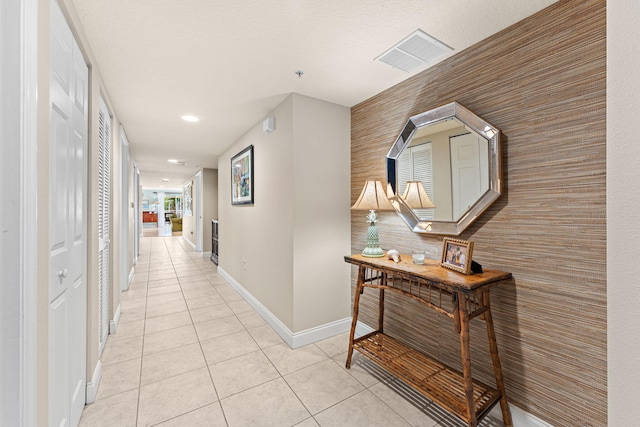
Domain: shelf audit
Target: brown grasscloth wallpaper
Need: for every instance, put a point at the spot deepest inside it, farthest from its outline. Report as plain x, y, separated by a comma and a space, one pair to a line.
542, 82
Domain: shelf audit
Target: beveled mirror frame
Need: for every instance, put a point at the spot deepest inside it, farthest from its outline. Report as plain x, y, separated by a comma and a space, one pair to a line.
473, 122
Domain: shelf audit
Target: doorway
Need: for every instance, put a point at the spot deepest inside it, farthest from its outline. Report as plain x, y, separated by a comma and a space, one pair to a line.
68, 141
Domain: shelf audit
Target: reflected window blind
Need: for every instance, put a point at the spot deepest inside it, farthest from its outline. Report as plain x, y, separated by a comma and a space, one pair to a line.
415, 164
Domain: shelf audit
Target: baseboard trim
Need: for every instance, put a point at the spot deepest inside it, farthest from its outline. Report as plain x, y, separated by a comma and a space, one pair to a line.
294, 340
321, 332
189, 242
92, 386
363, 329
130, 278
113, 323
520, 417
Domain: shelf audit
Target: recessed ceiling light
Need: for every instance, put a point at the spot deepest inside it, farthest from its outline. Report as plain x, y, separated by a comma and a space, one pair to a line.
190, 118
165, 179
172, 161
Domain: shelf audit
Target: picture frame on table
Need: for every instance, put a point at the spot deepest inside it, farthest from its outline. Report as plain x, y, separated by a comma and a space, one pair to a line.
457, 255
242, 182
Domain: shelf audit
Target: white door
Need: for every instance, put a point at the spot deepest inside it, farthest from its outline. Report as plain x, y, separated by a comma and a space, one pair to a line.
469, 172
67, 225
104, 209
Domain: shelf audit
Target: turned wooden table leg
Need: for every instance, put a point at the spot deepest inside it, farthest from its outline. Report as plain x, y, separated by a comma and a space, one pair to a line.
466, 359
497, 367
354, 320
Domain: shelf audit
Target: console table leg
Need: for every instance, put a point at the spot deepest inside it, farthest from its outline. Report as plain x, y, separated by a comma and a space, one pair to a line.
497, 367
381, 311
354, 319
466, 359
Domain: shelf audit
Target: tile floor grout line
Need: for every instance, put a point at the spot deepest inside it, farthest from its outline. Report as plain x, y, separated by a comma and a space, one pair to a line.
144, 326
193, 323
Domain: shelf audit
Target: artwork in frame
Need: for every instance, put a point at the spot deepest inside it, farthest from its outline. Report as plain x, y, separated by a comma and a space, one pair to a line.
456, 255
242, 177
145, 204
188, 200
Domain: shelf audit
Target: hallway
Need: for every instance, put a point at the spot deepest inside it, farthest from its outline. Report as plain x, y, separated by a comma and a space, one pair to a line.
189, 351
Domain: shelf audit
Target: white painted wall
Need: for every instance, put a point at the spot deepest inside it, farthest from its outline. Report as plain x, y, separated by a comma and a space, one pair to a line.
295, 236
321, 212
261, 234
623, 212
10, 215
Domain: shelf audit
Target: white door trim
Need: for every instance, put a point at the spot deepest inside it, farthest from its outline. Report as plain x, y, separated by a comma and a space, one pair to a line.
124, 211
136, 213
28, 211
198, 211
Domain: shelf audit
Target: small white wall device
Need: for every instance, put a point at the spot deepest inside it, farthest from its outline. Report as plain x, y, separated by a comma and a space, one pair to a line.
269, 125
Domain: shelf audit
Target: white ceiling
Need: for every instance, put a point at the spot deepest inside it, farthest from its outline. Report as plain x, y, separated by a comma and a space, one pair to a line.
231, 62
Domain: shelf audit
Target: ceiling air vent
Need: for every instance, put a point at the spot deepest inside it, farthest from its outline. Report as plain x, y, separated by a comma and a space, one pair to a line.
415, 51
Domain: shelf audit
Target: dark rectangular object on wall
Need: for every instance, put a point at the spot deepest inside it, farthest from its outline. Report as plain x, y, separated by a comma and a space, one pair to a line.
214, 241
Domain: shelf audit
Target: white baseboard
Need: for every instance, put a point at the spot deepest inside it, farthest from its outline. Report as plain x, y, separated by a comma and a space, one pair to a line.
92, 386
520, 417
113, 324
294, 340
189, 242
363, 329
130, 278
321, 332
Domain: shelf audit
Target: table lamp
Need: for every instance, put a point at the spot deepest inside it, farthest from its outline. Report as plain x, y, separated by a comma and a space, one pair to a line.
372, 198
416, 197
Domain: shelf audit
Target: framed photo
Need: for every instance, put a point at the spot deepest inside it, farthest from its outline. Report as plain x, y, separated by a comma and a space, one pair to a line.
242, 177
188, 198
456, 255
145, 204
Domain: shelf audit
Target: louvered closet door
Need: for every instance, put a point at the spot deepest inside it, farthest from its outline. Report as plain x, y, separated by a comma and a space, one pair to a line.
421, 158
416, 164
104, 197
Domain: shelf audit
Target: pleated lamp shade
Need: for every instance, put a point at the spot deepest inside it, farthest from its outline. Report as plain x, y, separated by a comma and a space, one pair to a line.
416, 197
373, 197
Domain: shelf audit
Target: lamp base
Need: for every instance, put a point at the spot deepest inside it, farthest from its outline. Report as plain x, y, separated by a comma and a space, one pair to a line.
373, 249
373, 252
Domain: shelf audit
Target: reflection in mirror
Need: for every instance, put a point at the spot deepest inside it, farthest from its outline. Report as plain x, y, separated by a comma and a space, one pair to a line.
454, 156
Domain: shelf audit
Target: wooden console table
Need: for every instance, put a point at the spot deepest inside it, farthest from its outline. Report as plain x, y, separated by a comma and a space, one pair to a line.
451, 294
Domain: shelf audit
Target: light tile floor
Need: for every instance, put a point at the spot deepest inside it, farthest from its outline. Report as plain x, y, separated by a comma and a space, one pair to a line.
189, 351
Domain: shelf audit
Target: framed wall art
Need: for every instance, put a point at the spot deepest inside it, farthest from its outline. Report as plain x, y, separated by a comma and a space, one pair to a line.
456, 255
242, 177
188, 200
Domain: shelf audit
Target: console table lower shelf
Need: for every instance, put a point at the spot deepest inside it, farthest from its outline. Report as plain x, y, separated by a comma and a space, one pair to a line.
438, 382
451, 294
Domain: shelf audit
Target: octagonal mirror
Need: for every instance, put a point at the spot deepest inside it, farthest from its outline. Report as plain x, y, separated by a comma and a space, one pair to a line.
444, 170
